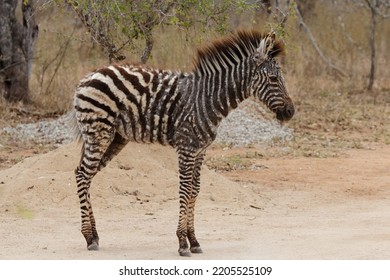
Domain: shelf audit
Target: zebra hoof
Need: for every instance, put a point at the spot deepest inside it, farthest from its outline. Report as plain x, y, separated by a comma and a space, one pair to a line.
184, 253
94, 246
196, 250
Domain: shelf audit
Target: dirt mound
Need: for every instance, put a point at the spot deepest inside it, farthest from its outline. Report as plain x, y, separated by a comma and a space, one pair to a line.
136, 190
142, 172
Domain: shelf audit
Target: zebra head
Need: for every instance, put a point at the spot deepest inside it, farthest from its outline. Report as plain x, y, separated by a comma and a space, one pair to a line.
268, 82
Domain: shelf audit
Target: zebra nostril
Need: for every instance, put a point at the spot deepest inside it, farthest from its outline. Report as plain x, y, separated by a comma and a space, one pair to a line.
290, 111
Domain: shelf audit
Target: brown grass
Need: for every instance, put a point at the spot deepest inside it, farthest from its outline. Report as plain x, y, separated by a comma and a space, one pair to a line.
64, 53
332, 114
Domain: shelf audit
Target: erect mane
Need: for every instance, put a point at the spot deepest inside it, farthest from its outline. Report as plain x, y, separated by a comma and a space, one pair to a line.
232, 48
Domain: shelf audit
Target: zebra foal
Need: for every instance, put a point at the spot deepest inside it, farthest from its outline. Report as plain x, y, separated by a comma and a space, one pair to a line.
122, 103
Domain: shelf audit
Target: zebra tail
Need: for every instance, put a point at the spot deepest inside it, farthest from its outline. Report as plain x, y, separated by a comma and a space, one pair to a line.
73, 126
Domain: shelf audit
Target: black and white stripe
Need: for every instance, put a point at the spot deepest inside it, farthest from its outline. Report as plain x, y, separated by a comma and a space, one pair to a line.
122, 103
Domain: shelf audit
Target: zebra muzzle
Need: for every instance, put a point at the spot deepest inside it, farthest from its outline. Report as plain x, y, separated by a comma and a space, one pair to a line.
285, 113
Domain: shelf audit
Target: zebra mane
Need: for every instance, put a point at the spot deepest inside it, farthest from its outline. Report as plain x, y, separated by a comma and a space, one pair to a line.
232, 49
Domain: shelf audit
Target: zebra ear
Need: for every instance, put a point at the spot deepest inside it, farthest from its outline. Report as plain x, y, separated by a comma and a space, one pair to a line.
265, 47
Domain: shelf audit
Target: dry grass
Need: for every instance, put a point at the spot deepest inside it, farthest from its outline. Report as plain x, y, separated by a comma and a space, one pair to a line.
332, 115
64, 53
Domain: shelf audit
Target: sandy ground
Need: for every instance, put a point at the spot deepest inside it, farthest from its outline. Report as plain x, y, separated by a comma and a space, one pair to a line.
287, 208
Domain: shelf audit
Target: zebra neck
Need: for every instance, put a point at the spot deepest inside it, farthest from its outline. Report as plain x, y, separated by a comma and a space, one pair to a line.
208, 98
225, 88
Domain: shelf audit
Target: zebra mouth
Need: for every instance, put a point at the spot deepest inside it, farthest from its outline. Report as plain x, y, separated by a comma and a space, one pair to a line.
286, 113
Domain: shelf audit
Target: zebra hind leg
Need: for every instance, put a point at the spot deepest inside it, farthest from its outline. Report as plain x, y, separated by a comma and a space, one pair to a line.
115, 147
92, 154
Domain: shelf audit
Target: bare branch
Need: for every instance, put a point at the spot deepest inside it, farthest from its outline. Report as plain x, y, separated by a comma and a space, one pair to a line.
98, 27
338, 71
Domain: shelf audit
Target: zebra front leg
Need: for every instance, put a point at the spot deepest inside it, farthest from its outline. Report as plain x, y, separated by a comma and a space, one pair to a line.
186, 169
195, 246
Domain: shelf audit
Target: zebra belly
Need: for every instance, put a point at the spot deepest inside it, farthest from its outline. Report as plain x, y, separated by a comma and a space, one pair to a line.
145, 129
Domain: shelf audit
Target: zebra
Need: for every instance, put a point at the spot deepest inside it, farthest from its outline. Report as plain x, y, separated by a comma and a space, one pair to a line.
131, 102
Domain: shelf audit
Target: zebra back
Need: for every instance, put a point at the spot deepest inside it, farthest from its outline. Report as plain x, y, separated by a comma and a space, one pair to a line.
138, 103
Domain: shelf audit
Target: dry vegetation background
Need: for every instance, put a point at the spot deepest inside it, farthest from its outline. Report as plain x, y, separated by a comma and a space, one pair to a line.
332, 113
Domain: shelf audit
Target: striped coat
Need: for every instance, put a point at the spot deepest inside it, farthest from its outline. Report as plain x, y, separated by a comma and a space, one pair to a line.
122, 103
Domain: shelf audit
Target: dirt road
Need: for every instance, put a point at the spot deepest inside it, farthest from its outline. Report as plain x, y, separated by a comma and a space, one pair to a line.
285, 208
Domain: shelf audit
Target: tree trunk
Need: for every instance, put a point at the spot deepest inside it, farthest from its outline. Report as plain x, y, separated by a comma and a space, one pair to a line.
371, 77
16, 49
